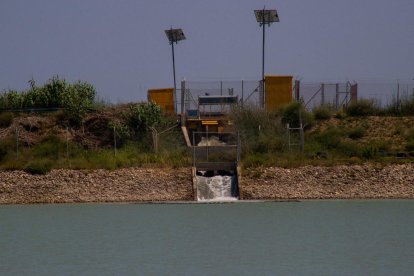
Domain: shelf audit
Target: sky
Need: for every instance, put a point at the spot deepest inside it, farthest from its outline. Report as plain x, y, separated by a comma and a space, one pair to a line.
120, 46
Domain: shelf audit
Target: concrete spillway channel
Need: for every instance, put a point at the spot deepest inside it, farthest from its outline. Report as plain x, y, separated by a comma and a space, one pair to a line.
215, 170
215, 185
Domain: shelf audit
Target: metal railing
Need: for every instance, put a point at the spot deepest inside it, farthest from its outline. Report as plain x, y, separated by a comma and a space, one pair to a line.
212, 148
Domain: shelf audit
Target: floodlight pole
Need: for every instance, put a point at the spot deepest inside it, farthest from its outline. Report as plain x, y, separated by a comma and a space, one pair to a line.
175, 84
263, 49
174, 35
264, 17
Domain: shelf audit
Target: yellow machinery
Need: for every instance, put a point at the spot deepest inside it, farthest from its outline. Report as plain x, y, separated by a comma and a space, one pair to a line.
279, 91
164, 98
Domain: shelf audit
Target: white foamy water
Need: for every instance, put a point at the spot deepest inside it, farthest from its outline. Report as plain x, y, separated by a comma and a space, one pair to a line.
216, 188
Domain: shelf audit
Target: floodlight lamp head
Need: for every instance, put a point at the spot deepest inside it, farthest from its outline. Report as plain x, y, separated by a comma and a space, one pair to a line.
174, 35
266, 16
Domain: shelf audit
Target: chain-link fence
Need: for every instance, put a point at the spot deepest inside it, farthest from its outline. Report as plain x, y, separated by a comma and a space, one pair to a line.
248, 92
335, 94
215, 148
339, 95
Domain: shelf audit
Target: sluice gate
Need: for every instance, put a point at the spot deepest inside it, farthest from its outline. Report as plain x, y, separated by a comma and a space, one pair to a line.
215, 166
215, 148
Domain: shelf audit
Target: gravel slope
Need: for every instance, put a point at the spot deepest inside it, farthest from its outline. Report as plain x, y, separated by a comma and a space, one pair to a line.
167, 184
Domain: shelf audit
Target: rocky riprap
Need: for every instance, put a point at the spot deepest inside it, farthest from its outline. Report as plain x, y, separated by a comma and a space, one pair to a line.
167, 184
123, 185
337, 182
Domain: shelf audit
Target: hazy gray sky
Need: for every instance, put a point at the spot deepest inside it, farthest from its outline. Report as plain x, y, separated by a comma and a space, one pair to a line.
120, 45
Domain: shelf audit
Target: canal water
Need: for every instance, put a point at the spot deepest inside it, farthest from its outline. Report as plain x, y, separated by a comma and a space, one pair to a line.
286, 238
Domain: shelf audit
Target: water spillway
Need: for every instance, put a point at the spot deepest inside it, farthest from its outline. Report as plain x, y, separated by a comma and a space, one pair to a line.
215, 169
216, 188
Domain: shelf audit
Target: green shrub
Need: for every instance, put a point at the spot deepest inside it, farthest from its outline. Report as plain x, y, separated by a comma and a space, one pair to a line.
410, 134
330, 138
410, 140
3, 153
254, 160
77, 100
12, 164
7, 145
340, 115
49, 147
41, 166
362, 107
123, 132
6, 119
145, 115
260, 130
294, 113
248, 120
409, 146
405, 107
349, 149
370, 151
356, 133
322, 112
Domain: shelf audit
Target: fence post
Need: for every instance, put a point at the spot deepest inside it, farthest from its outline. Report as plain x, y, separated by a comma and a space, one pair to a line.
302, 138
154, 134
322, 94
183, 101
17, 142
288, 133
336, 96
194, 149
114, 141
208, 143
238, 148
67, 142
242, 97
398, 94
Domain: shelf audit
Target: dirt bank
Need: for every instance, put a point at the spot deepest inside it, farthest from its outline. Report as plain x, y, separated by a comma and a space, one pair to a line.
163, 184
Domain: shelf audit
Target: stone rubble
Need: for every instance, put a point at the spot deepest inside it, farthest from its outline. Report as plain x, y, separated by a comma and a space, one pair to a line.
123, 185
368, 181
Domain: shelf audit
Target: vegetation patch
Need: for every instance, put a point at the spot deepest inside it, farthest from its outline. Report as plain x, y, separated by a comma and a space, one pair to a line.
6, 119
40, 166
410, 140
356, 133
295, 114
81, 135
322, 113
75, 99
362, 108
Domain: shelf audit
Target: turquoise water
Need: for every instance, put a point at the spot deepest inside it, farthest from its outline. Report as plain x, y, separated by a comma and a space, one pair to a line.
296, 238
